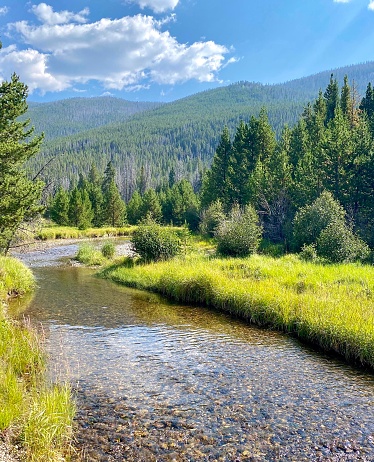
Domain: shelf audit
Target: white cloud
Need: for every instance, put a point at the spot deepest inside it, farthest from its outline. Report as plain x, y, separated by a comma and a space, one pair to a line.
158, 6
342, 1
31, 66
126, 53
4, 10
46, 15
371, 5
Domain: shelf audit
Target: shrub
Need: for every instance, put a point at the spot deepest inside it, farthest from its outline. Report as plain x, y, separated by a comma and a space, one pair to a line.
240, 234
308, 252
310, 220
337, 243
211, 218
88, 255
153, 242
108, 250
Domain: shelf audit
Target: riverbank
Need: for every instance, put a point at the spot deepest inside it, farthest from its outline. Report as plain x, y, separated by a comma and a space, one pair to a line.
328, 306
35, 417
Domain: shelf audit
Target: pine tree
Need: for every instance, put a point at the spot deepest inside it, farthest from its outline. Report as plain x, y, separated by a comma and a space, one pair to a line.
19, 195
215, 181
151, 206
114, 208
59, 209
134, 208
239, 168
331, 96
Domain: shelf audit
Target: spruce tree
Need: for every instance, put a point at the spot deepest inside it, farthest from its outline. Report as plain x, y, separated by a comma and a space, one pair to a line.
331, 96
19, 195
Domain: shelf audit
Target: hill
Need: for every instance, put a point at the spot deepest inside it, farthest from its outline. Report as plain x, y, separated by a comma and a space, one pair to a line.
182, 135
69, 116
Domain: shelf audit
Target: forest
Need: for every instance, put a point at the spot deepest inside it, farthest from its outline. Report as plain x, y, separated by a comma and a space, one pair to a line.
318, 176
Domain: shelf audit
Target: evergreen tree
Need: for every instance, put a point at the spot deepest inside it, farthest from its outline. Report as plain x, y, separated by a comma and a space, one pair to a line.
19, 195
239, 167
331, 96
59, 208
80, 209
114, 208
94, 189
345, 100
215, 181
134, 208
151, 206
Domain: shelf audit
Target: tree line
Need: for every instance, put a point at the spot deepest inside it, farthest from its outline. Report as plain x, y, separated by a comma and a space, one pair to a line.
329, 149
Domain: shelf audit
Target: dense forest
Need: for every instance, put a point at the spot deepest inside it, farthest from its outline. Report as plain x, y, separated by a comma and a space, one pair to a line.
181, 136
319, 173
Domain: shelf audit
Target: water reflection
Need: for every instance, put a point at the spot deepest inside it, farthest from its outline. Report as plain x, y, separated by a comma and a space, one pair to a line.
157, 381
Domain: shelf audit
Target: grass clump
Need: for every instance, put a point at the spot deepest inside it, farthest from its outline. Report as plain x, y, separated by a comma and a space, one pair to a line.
89, 255
37, 415
330, 306
69, 232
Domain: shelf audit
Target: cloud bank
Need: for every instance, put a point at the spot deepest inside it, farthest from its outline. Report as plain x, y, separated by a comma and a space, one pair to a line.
121, 54
158, 6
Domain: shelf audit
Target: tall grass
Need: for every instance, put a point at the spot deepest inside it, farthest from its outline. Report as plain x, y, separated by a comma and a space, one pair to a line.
68, 232
331, 306
37, 414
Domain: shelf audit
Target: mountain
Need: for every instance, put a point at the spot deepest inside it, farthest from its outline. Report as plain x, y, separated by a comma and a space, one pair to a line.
69, 116
181, 135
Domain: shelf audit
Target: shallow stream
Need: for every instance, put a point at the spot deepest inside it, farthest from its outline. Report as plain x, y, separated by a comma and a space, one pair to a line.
161, 382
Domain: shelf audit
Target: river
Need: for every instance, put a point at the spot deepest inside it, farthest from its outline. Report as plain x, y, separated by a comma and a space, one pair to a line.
156, 381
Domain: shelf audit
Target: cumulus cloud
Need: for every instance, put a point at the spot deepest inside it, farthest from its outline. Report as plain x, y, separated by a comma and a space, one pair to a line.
127, 53
371, 5
158, 6
4, 10
46, 15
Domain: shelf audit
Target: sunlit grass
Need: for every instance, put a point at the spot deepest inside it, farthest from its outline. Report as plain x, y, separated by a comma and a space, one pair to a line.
37, 414
331, 306
68, 232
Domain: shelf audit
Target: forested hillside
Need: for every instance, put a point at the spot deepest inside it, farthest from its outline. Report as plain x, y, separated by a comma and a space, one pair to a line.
69, 116
181, 136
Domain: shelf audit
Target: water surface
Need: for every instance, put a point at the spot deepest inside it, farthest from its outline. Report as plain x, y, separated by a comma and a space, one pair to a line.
159, 382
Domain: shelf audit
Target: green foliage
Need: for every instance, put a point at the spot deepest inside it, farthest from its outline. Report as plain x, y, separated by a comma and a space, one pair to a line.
240, 234
312, 219
19, 196
89, 255
308, 252
338, 244
108, 250
154, 242
211, 218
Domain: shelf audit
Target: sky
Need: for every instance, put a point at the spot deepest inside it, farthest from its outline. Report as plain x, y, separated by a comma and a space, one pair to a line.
163, 50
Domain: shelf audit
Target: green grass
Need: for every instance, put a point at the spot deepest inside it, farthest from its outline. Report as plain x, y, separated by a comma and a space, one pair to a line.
68, 232
37, 414
330, 306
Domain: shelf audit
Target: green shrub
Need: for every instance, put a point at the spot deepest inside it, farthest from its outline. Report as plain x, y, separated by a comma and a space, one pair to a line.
88, 255
211, 218
108, 250
240, 234
337, 243
310, 220
153, 242
308, 252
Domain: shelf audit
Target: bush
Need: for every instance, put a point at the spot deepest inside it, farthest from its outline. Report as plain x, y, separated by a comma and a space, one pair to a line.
153, 242
308, 252
312, 219
240, 234
337, 243
108, 250
88, 255
211, 218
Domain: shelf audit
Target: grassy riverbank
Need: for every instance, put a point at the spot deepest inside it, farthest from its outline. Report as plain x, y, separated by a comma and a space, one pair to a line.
330, 306
33, 414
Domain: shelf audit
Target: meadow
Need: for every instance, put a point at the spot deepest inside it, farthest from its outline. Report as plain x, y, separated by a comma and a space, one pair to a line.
328, 306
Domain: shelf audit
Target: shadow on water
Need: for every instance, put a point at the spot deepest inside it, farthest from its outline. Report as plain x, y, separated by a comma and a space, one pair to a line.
158, 381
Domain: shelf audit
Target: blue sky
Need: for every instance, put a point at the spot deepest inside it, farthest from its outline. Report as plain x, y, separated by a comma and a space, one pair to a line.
161, 50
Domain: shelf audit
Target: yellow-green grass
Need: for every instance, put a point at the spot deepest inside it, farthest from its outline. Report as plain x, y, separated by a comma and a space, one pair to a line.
68, 232
330, 306
36, 414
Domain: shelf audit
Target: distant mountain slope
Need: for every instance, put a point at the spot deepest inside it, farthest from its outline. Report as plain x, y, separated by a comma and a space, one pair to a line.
69, 116
184, 134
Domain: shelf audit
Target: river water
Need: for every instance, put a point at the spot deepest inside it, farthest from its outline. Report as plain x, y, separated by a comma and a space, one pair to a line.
160, 382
